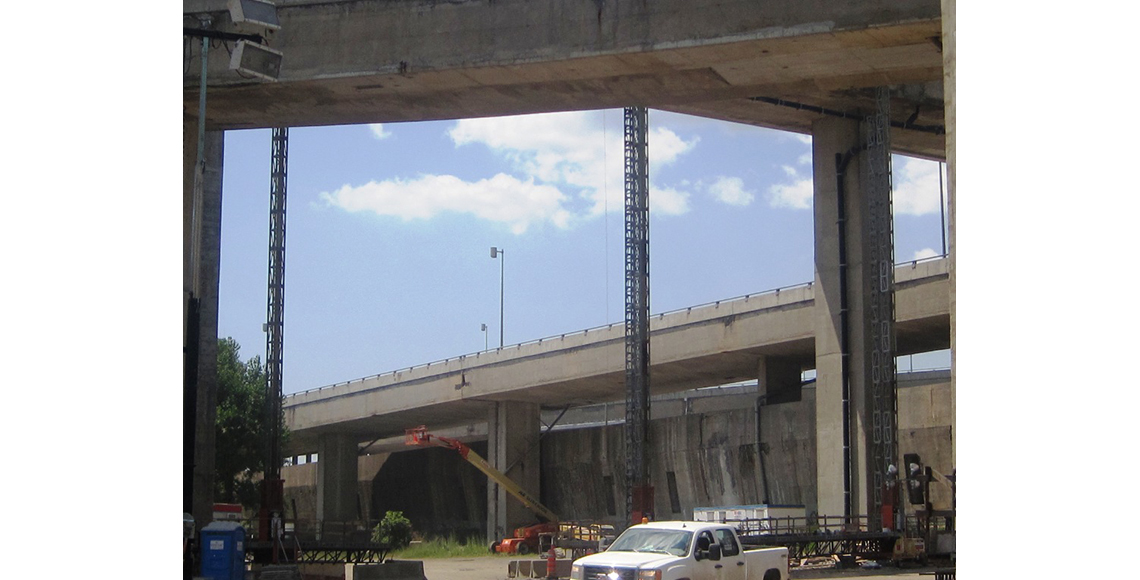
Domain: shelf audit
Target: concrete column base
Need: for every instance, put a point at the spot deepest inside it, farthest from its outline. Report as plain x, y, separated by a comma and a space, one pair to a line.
512, 448
337, 472
390, 570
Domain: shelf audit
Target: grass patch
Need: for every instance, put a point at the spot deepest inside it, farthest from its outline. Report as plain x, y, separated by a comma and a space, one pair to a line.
447, 547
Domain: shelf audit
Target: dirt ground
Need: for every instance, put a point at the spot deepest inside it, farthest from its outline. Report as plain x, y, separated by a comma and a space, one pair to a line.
495, 568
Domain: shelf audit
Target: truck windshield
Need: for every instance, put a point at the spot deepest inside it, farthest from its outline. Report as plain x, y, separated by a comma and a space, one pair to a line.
675, 542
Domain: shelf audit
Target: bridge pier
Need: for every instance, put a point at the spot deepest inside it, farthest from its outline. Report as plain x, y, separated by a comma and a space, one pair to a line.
337, 472
201, 258
778, 379
512, 448
847, 275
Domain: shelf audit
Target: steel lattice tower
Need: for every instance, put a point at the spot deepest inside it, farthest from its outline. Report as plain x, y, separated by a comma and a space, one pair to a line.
882, 398
636, 306
275, 314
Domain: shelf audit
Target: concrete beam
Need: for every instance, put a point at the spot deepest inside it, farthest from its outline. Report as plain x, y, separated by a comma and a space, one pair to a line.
375, 61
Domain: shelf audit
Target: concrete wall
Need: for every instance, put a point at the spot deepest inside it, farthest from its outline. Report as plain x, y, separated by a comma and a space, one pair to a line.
709, 445
699, 459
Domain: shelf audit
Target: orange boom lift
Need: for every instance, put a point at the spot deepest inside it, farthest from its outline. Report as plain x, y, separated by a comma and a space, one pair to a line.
526, 539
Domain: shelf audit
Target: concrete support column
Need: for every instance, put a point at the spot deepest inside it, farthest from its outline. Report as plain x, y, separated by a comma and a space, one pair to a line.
832, 136
512, 448
203, 261
949, 75
337, 472
778, 379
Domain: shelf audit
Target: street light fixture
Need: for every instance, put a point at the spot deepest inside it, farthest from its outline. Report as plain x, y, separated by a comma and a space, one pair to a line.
496, 253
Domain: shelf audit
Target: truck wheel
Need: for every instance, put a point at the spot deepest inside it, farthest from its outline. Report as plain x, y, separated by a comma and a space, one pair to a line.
523, 549
772, 574
494, 547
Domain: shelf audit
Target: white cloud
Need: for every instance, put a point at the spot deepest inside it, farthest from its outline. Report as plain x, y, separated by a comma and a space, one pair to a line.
379, 132
925, 253
730, 190
502, 198
915, 185
564, 166
666, 146
795, 195
667, 201
579, 151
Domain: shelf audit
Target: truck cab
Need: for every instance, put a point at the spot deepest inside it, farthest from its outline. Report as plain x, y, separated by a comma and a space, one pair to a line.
681, 550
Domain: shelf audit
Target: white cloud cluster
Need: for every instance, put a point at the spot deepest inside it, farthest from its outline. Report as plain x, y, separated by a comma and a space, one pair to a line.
795, 195
916, 188
915, 185
502, 198
578, 151
925, 253
730, 190
379, 132
565, 165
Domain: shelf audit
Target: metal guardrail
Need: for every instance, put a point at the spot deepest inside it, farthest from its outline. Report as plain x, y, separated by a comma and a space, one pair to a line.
595, 329
808, 537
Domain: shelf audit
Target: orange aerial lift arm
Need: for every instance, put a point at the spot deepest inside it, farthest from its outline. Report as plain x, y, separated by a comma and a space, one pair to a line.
420, 436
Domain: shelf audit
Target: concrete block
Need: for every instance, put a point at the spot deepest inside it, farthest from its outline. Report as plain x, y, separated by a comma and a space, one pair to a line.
390, 570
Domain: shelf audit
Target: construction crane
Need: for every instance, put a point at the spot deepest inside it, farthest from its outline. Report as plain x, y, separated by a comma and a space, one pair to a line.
526, 538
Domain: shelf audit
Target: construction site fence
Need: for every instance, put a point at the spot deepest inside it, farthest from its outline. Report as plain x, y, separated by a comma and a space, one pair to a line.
914, 525
798, 525
313, 531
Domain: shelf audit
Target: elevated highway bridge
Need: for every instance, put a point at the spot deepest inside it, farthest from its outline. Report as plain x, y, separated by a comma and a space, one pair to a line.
707, 345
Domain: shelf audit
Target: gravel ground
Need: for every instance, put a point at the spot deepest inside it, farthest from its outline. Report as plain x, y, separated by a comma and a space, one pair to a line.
493, 568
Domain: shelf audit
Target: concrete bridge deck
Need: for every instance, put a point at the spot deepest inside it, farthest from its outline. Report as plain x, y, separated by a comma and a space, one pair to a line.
348, 62
705, 345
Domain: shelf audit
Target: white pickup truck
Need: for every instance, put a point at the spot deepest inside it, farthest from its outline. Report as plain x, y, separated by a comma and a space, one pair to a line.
681, 551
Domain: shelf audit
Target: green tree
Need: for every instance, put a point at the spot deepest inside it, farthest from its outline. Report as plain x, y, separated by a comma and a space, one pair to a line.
241, 428
394, 531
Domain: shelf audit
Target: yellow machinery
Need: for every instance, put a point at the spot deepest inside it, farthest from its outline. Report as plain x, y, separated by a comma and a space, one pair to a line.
526, 539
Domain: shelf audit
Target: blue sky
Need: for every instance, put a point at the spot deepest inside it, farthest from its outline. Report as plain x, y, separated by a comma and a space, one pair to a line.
390, 227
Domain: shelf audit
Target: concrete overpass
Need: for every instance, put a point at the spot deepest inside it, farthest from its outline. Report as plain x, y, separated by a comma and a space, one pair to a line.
705, 345
752, 62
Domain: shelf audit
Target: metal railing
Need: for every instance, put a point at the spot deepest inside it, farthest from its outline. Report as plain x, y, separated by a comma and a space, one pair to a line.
312, 540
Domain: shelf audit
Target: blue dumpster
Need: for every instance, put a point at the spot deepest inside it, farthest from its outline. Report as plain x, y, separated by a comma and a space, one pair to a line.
223, 551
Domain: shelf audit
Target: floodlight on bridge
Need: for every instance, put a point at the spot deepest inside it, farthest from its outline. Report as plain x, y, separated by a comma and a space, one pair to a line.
254, 12
256, 59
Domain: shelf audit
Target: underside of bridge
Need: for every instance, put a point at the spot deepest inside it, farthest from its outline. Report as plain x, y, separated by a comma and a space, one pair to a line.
823, 68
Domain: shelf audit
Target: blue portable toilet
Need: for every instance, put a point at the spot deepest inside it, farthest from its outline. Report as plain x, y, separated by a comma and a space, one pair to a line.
223, 551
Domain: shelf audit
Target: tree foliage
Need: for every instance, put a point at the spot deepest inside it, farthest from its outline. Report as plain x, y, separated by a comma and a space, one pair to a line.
241, 427
394, 531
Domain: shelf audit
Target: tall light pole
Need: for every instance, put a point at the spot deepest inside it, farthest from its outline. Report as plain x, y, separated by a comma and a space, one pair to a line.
497, 253
483, 327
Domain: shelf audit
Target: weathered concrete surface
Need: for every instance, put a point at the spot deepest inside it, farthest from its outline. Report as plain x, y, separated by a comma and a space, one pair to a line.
375, 61
389, 570
708, 443
703, 346
512, 448
337, 475
949, 76
203, 268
